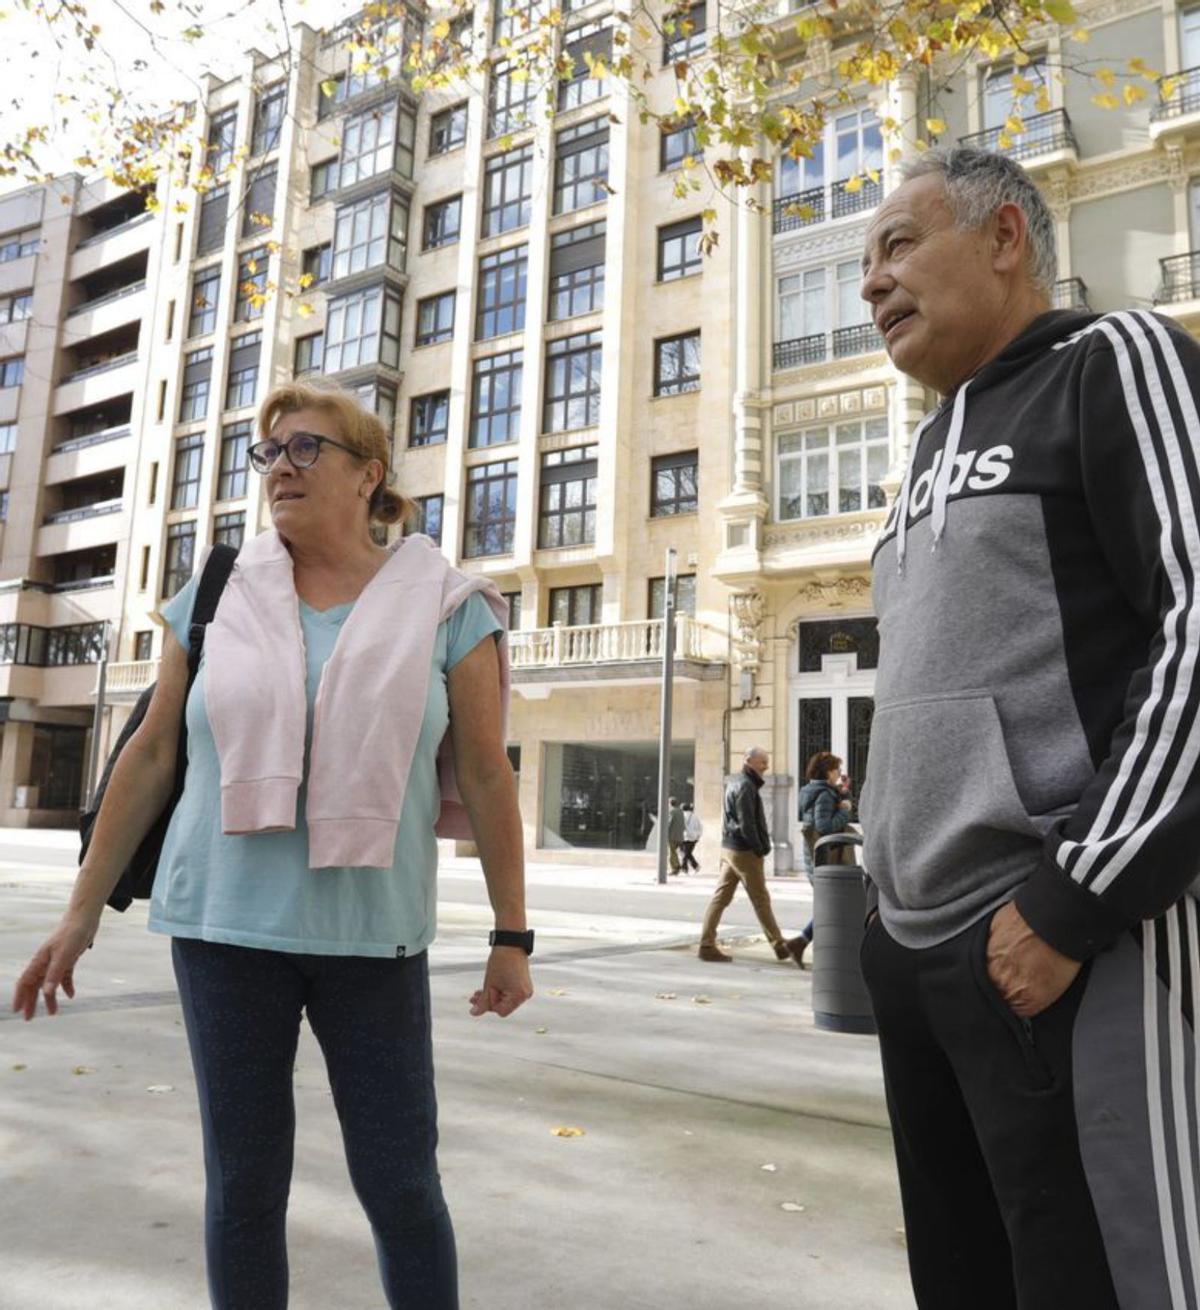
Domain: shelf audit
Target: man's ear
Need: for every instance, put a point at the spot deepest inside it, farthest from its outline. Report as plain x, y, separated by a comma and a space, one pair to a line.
1010, 237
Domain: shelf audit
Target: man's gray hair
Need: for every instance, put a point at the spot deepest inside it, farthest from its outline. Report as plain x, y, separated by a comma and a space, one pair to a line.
756, 750
977, 183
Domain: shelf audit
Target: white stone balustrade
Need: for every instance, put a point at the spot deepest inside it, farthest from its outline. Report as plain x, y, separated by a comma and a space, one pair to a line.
611, 643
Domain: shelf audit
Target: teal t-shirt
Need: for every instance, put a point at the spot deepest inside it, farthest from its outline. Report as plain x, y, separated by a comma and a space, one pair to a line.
258, 890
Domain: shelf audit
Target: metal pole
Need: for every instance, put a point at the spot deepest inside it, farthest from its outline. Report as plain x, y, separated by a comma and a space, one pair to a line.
97, 719
664, 738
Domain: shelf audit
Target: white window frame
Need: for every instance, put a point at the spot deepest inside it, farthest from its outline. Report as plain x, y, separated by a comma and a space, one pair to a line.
809, 445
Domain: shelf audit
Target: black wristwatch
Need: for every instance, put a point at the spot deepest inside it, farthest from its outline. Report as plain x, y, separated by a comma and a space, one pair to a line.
501, 937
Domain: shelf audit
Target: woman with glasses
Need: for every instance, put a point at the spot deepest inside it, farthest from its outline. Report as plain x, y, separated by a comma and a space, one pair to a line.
349, 709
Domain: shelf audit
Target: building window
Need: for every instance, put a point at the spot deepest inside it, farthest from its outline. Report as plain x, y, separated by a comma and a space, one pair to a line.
323, 179
258, 204
491, 509
16, 308
385, 39
816, 302
243, 370
143, 646
369, 231
435, 318
206, 288
377, 141
448, 129
496, 399
380, 399
185, 486
674, 484
575, 607
509, 99
251, 285
677, 143
210, 228
363, 328
854, 141
568, 498
513, 600
330, 94
16, 245
12, 371
686, 37
235, 440
310, 354
581, 166
679, 249
594, 39
317, 263
837, 469
230, 529
197, 377
222, 138
577, 271
507, 191
8, 438
268, 119
500, 305
685, 596
181, 554
442, 222
999, 101
429, 517
677, 364
429, 419
572, 383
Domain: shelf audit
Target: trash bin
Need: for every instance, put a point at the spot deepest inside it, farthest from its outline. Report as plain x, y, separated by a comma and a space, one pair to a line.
841, 1003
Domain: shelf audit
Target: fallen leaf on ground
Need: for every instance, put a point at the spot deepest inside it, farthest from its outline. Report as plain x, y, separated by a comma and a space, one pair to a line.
557, 991
565, 1130
791, 1207
160, 1087
687, 1132
665, 996
18, 1068
83, 1068
769, 1168
541, 1030
701, 1000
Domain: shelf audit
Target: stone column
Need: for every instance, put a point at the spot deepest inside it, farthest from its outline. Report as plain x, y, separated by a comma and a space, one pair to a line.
777, 802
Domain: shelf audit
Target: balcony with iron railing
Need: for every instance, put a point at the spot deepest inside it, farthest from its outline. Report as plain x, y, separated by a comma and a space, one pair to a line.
1178, 105
625, 645
838, 200
1179, 279
1042, 136
1070, 293
104, 366
818, 347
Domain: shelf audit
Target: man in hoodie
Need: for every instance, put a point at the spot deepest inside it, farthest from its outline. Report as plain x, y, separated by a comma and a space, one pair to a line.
745, 843
1032, 807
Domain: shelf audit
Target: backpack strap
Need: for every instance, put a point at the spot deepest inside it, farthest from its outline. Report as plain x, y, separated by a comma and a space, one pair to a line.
217, 569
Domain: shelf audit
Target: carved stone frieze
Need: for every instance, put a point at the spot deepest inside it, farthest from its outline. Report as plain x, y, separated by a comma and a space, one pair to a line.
794, 250
856, 530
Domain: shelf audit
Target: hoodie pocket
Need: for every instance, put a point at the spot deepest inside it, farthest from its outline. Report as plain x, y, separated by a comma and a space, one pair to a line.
940, 808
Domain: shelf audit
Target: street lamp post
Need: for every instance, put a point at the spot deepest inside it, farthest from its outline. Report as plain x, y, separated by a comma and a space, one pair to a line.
98, 719
664, 739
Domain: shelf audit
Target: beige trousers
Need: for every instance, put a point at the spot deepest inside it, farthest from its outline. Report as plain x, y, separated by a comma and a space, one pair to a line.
746, 869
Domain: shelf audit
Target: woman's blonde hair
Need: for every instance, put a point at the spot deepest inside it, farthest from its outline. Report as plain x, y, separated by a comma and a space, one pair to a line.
357, 427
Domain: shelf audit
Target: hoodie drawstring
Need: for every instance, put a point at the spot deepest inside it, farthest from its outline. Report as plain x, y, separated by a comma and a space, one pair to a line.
941, 484
906, 490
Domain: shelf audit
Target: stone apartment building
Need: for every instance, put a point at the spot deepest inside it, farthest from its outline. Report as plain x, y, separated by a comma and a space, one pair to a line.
573, 389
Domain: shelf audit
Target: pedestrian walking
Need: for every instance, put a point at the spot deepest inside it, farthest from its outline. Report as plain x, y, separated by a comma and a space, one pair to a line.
824, 810
745, 843
298, 871
693, 830
676, 827
1032, 804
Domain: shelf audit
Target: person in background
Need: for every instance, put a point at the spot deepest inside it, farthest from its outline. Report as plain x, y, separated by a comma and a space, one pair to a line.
693, 830
675, 832
824, 810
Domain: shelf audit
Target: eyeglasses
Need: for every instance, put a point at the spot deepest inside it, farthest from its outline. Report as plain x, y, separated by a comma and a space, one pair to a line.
301, 449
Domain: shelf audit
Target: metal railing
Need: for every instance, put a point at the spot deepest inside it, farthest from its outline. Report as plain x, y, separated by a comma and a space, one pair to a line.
107, 366
1183, 97
799, 209
857, 340
109, 296
604, 643
1043, 135
84, 584
92, 439
1180, 278
1069, 293
100, 508
812, 349
97, 237
846, 201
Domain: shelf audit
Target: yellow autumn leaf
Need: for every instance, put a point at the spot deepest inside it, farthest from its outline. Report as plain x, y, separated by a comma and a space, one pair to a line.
854, 184
1081, 36
306, 280
935, 126
1042, 102
1106, 101
1021, 85
1013, 126
566, 1130
1106, 77
305, 311
1004, 142
1132, 93
441, 30
1167, 87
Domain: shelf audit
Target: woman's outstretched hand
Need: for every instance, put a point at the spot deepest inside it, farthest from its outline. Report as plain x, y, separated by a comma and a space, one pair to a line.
506, 983
53, 965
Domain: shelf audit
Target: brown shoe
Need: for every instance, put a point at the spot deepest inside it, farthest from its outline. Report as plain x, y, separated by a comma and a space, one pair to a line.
796, 947
714, 955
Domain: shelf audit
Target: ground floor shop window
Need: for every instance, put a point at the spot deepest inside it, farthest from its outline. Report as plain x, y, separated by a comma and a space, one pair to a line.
57, 766
605, 797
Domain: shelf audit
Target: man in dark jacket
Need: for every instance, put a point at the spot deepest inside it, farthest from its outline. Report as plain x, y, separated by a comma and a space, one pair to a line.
1032, 802
745, 843
675, 831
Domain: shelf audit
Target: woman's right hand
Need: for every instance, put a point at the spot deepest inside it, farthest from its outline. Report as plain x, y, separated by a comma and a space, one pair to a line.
53, 964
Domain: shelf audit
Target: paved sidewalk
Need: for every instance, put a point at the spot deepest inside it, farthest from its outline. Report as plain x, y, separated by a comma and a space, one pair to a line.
687, 1078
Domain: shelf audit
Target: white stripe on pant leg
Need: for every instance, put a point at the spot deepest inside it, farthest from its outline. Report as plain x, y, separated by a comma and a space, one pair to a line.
1179, 1099
1190, 919
1154, 1106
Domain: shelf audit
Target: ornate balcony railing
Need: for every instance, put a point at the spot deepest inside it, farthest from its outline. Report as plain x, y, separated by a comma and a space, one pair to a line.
90, 370
119, 294
604, 643
857, 340
1180, 278
1043, 135
812, 349
1178, 94
1069, 293
129, 677
799, 209
85, 512
845, 201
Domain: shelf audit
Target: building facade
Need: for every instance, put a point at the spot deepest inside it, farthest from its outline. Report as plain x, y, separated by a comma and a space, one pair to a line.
573, 389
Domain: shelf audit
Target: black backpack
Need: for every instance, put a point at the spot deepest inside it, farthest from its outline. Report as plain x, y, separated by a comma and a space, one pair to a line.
137, 881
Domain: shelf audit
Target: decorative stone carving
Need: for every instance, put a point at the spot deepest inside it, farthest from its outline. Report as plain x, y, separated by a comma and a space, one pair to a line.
783, 413
856, 530
749, 609
827, 406
1177, 175
806, 410
833, 592
797, 249
851, 402
874, 398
